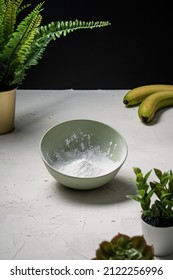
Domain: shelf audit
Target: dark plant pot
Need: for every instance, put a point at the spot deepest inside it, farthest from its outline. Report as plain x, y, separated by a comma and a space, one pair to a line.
160, 237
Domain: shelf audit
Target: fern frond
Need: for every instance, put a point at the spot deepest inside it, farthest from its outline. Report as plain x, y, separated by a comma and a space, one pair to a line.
9, 19
19, 10
29, 23
17, 40
58, 28
2, 14
23, 45
32, 59
17, 3
50, 32
43, 37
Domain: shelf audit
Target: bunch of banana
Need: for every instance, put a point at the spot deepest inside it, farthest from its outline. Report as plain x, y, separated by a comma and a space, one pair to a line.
150, 99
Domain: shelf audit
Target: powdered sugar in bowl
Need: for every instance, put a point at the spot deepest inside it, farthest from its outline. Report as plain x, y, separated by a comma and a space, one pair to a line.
83, 154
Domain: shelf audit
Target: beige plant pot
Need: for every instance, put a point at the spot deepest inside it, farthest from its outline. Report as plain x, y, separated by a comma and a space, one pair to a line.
7, 110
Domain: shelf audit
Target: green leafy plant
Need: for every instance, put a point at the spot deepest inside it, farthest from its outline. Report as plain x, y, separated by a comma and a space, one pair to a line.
22, 43
155, 197
123, 247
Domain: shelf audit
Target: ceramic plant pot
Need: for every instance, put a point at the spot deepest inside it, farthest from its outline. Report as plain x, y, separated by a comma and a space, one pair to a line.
160, 237
7, 110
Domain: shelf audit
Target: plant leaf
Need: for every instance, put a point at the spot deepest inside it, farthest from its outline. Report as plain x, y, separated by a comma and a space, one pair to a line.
137, 170
158, 173
134, 197
22, 45
171, 186
161, 207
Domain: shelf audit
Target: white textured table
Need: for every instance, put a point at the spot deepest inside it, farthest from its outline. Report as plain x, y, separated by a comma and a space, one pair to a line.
40, 219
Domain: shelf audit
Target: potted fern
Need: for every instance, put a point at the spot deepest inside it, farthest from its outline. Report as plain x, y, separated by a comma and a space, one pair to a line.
22, 44
156, 201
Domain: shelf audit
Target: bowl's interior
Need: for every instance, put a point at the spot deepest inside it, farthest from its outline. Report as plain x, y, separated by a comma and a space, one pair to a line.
83, 135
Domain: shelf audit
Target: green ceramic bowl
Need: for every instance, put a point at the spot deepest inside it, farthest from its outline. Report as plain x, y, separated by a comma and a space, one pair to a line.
72, 147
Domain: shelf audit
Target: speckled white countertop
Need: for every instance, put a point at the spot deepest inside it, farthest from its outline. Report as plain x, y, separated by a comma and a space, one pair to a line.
40, 219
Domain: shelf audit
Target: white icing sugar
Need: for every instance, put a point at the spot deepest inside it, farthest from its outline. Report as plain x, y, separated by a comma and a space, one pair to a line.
88, 163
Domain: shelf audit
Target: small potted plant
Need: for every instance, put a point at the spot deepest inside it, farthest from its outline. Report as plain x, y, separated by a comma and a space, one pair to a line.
124, 247
22, 44
156, 201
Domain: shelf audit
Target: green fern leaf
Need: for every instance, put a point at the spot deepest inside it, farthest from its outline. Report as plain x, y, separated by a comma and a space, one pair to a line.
43, 37
25, 48
32, 59
9, 19
18, 39
20, 9
59, 28
2, 14
23, 45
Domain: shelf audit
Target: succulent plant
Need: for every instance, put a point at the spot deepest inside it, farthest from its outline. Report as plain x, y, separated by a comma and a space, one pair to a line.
123, 247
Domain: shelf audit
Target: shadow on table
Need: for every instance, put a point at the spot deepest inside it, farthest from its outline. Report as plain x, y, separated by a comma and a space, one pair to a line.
169, 257
113, 192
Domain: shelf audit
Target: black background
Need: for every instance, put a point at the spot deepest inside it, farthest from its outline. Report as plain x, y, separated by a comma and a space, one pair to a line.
135, 49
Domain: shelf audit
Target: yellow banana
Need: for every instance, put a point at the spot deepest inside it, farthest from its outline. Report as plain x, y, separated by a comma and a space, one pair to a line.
151, 104
138, 94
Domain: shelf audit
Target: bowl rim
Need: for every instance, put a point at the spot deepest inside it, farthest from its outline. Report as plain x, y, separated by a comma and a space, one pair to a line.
90, 120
